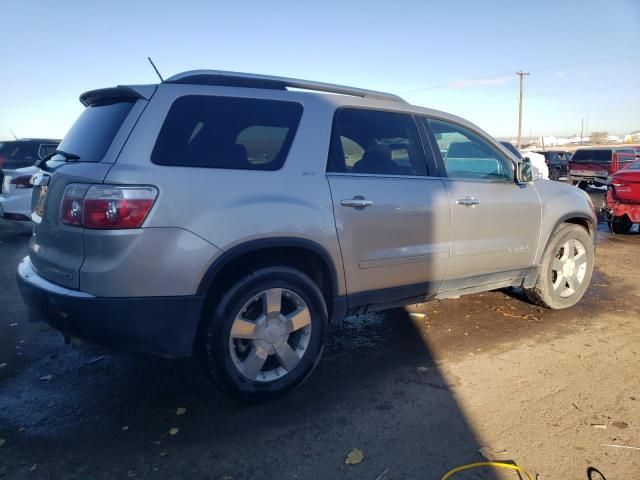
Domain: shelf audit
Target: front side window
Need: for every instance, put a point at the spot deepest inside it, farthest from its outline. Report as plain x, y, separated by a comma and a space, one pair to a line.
466, 155
227, 132
375, 142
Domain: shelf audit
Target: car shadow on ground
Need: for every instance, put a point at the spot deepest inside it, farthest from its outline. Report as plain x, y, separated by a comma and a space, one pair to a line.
90, 413
377, 389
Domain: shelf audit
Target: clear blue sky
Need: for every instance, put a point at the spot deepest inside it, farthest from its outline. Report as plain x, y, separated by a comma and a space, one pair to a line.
457, 56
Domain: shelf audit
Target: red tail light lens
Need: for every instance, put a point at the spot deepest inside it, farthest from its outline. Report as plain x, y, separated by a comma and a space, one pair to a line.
107, 206
22, 182
71, 208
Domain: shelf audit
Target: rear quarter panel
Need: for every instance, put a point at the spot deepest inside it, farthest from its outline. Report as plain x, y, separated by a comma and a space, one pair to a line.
230, 207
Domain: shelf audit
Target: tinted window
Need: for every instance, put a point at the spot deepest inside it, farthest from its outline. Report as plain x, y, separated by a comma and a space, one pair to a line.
594, 156
47, 150
19, 150
467, 155
511, 147
375, 142
223, 132
91, 135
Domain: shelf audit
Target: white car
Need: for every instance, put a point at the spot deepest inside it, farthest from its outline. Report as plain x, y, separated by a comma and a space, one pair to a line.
15, 199
538, 161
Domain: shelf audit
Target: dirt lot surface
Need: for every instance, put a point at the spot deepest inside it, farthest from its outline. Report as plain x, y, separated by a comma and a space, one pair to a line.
557, 392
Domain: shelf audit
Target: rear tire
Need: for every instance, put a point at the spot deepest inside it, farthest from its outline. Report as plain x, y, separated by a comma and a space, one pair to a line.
567, 266
620, 225
266, 335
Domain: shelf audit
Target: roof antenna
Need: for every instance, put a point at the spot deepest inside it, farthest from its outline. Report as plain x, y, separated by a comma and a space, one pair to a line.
14, 135
154, 67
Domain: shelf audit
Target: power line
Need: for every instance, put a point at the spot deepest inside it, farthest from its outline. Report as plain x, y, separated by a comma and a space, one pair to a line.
571, 92
541, 67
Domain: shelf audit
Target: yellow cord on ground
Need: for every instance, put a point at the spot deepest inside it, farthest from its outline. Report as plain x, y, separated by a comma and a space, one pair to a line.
486, 464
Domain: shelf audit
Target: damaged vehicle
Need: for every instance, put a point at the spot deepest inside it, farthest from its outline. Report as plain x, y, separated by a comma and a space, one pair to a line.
622, 204
233, 216
594, 166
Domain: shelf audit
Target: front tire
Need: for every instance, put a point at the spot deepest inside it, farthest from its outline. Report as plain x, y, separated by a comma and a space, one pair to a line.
566, 269
620, 225
266, 334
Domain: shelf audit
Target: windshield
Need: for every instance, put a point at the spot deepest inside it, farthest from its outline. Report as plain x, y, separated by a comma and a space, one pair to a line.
592, 156
634, 166
91, 135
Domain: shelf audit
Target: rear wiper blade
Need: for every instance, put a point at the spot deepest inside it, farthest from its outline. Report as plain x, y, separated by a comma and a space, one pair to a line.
69, 157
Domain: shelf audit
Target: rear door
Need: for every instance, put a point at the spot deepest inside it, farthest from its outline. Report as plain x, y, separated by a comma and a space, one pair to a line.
392, 217
495, 223
56, 250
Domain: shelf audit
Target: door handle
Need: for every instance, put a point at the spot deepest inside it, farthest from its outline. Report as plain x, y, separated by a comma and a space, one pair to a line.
356, 202
468, 201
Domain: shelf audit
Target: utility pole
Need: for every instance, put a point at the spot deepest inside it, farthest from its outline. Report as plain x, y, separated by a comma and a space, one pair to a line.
581, 130
586, 129
521, 74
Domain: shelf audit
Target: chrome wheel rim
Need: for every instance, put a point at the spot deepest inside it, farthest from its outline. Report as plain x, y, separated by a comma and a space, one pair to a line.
569, 268
270, 335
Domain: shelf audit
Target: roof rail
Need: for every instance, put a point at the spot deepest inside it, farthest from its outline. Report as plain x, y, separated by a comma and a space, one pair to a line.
254, 80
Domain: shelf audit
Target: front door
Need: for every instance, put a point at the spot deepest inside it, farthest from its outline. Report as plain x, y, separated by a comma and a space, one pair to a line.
495, 222
392, 218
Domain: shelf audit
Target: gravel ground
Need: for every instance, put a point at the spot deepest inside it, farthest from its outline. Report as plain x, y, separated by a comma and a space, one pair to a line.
418, 393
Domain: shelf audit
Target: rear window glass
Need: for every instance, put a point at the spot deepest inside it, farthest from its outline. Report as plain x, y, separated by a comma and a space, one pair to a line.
224, 132
91, 135
595, 156
19, 150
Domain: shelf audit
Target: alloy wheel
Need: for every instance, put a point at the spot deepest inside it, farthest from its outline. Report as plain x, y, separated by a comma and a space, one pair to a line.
270, 335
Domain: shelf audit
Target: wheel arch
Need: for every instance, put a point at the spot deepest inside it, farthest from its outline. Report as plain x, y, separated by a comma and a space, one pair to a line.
577, 218
305, 255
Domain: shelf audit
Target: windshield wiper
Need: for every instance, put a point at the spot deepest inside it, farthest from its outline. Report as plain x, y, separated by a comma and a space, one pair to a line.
68, 157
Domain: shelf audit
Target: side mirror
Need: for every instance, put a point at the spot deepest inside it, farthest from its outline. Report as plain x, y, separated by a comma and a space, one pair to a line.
524, 171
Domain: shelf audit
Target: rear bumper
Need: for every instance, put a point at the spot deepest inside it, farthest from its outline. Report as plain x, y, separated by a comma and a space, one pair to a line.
613, 208
164, 326
588, 178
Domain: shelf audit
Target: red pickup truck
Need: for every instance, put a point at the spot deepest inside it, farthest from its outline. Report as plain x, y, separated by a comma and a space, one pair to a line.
622, 204
594, 166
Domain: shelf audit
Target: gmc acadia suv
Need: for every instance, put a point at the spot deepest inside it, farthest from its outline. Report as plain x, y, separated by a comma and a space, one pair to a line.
234, 215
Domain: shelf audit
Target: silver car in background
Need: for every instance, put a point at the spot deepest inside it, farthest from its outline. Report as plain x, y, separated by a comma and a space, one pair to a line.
235, 215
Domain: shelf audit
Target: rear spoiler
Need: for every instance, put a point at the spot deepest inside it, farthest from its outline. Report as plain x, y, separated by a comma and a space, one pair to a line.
121, 92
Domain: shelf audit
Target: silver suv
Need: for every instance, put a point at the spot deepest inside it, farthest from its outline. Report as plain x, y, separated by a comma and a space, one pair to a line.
235, 215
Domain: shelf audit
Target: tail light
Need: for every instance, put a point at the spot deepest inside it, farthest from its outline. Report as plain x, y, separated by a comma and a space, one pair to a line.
1, 161
107, 206
22, 182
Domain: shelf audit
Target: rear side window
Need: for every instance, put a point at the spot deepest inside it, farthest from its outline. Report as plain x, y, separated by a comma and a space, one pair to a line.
225, 132
595, 156
91, 135
46, 150
375, 142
